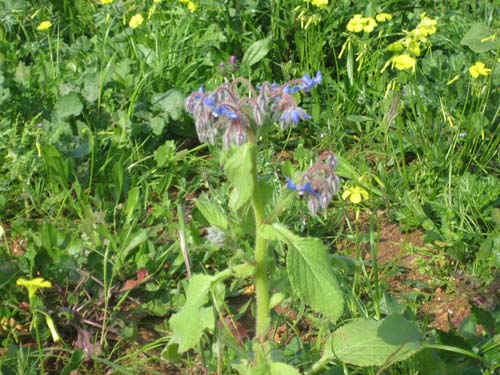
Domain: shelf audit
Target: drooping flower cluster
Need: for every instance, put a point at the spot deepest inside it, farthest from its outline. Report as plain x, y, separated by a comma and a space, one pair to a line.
239, 117
319, 183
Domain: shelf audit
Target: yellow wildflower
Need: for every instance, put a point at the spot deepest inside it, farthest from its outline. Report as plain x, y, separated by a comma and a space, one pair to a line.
44, 25
403, 62
355, 194
382, 17
413, 46
106, 1
355, 24
427, 26
190, 5
396, 46
319, 3
479, 69
136, 20
33, 285
359, 23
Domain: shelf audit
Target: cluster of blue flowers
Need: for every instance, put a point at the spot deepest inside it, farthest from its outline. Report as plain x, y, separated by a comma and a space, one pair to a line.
319, 183
224, 111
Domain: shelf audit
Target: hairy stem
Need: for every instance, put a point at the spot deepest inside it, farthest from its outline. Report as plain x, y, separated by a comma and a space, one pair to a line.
261, 284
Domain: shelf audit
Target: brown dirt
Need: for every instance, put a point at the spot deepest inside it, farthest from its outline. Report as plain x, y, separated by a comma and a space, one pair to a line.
404, 262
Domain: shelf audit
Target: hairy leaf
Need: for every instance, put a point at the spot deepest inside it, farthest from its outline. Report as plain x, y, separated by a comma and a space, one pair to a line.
192, 319
239, 171
212, 212
375, 343
309, 270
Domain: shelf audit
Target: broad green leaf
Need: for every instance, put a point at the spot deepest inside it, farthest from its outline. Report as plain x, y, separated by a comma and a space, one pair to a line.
192, 319
312, 278
274, 368
279, 368
257, 51
165, 154
171, 352
480, 38
157, 124
375, 343
91, 86
212, 212
309, 270
170, 102
68, 105
239, 170
188, 325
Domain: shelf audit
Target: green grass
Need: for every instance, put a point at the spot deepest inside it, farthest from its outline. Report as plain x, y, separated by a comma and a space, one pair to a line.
100, 169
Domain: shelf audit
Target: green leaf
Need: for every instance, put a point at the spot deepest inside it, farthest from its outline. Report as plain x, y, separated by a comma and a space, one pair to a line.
212, 212
375, 343
91, 86
309, 270
480, 38
165, 154
132, 202
170, 102
279, 368
350, 64
157, 124
192, 319
257, 51
130, 244
239, 170
68, 105
188, 326
312, 278
74, 362
170, 353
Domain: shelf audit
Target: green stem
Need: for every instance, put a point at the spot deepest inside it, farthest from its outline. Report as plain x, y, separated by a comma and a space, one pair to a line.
261, 284
38, 340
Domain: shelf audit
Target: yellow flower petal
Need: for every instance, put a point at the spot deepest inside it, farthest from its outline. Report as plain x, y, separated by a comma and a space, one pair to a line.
355, 24
45, 25
33, 285
136, 20
479, 69
382, 17
319, 3
403, 62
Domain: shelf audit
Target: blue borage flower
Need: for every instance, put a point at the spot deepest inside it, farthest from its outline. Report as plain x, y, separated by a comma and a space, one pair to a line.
306, 189
319, 183
311, 82
293, 116
225, 111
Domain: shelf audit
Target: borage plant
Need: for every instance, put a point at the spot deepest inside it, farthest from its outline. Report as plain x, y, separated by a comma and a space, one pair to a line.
241, 115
